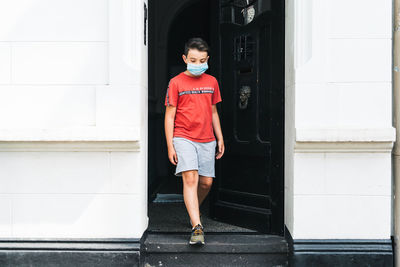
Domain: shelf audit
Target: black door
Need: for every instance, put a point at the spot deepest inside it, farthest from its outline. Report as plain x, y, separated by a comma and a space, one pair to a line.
249, 187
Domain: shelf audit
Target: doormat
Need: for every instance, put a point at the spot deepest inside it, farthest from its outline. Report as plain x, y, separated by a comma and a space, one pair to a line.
168, 198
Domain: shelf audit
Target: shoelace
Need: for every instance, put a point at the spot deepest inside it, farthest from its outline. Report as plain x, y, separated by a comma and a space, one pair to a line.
197, 230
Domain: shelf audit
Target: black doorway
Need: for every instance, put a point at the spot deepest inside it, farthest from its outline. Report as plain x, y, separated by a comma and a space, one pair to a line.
247, 58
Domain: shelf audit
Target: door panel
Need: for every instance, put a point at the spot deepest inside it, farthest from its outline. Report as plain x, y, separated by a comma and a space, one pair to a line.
249, 184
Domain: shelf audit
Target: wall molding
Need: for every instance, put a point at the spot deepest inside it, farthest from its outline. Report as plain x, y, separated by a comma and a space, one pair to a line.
344, 140
26, 146
70, 139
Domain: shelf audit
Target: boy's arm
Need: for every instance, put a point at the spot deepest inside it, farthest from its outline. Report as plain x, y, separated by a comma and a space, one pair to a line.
170, 112
216, 123
171, 102
218, 132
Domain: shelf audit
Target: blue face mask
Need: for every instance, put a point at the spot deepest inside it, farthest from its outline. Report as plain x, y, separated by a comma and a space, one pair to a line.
197, 69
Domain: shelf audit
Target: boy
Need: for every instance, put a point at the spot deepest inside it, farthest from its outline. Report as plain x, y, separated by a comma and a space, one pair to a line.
191, 119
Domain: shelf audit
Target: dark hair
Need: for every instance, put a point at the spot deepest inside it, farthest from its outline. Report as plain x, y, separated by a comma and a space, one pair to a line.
196, 43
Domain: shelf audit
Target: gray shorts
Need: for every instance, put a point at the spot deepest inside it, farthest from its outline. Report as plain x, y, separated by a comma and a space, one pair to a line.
195, 156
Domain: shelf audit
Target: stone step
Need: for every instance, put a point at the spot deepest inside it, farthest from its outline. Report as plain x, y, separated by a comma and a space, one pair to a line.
230, 249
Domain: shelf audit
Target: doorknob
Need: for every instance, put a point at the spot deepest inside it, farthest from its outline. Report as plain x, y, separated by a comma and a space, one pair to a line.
244, 95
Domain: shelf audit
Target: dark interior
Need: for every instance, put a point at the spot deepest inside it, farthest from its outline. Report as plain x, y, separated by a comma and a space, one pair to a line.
171, 24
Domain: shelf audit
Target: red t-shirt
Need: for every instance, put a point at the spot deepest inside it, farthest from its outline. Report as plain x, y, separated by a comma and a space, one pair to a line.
193, 98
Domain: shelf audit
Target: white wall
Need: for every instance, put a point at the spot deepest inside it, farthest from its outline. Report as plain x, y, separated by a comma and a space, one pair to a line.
77, 71
341, 95
73, 119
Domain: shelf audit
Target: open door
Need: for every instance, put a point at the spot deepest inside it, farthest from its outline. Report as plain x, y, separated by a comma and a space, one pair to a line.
249, 187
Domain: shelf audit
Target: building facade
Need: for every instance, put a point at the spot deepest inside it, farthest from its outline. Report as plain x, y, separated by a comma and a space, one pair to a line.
75, 100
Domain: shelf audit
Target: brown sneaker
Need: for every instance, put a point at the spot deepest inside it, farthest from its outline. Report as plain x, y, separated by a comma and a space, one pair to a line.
197, 235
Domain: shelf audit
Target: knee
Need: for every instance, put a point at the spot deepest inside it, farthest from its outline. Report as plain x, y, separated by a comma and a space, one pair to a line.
206, 184
189, 178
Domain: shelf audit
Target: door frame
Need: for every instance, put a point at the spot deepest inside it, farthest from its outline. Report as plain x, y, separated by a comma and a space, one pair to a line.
288, 68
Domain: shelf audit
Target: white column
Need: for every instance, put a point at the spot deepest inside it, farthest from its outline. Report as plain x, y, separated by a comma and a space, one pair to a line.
340, 86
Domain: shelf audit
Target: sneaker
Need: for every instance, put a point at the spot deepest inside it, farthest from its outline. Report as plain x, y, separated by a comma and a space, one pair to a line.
191, 220
197, 236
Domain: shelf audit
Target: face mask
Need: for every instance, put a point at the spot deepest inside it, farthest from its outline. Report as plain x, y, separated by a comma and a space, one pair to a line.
197, 69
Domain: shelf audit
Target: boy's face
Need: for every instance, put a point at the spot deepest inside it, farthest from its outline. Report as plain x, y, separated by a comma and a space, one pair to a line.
195, 56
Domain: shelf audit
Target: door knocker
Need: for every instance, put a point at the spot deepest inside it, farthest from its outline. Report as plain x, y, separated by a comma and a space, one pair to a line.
244, 95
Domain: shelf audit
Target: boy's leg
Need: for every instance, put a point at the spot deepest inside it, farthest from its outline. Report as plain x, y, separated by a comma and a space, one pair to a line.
206, 155
190, 184
204, 187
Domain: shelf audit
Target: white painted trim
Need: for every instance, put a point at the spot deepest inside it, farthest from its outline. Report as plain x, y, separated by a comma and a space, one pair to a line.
345, 134
303, 34
29, 146
123, 46
70, 139
343, 147
71, 134
344, 140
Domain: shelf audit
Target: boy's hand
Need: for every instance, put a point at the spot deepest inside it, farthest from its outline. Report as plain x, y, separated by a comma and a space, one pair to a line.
173, 158
221, 149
